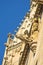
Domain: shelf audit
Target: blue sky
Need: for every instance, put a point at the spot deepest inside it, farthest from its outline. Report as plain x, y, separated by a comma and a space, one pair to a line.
11, 14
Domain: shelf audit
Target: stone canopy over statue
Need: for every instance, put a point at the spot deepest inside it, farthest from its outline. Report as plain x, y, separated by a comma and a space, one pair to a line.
39, 1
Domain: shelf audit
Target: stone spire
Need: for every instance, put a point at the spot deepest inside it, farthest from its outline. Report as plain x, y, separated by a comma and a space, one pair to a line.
22, 47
